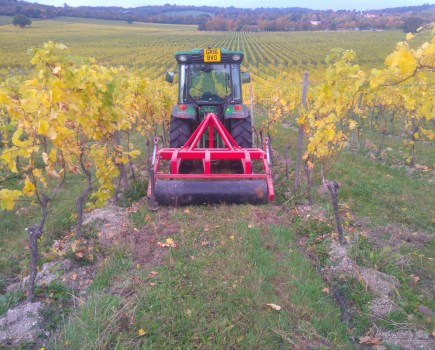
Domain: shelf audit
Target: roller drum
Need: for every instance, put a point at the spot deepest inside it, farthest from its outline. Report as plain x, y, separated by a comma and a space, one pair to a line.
186, 192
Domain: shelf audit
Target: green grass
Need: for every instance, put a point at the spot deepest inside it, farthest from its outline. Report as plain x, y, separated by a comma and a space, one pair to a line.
91, 324
13, 258
384, 195
212, 291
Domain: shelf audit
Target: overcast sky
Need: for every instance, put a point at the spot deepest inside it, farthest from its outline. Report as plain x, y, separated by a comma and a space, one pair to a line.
313, 4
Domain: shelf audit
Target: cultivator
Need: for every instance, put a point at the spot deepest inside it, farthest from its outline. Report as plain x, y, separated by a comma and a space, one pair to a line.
211, 184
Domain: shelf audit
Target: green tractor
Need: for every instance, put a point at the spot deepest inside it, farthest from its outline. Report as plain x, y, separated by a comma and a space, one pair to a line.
210, 81
210, 158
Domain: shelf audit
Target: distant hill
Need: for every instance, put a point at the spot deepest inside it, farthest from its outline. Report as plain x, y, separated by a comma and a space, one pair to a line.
193, 13
233, 18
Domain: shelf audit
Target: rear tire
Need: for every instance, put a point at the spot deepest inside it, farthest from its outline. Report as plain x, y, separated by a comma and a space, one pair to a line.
241, 131
179, 132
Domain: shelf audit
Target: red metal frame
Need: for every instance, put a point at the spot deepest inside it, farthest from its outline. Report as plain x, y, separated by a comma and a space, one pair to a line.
230, 151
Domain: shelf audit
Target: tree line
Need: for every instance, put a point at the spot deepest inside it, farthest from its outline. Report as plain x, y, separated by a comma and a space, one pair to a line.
213, 18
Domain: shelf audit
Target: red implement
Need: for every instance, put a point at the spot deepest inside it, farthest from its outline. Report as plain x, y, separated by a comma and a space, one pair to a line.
205, 185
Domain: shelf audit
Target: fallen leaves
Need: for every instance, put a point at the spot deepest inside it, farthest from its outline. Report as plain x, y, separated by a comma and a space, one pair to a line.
367, 340
141, 332
169, 243
274, 306
415, 279
152, 274
325, 290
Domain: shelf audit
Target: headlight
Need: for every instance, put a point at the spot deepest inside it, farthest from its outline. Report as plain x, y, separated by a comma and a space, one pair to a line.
182, 58
236, 57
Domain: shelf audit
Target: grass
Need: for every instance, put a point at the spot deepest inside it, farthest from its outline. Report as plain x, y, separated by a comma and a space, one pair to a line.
13, 258
384, 195
212, 290
91, 325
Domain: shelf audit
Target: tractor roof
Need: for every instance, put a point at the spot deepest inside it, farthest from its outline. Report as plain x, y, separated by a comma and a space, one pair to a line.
208, 56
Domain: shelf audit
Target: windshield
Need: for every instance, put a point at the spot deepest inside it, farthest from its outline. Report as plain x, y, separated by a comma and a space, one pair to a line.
209, 82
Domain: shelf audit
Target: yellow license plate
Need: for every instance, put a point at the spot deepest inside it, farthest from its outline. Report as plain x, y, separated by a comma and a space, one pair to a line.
212, 55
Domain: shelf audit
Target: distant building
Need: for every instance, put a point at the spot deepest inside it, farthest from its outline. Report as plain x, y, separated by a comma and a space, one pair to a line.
370, 15
316, 22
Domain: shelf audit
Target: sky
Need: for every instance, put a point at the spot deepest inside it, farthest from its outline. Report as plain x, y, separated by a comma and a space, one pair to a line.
312, 4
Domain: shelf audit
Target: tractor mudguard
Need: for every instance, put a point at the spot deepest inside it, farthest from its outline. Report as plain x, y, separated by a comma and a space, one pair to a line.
184, 111
231, 112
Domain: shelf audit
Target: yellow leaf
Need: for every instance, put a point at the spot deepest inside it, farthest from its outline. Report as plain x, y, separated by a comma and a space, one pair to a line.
29, 188
9, 159
52, 155
43, 127
4, 98
134, 153
232, 238
8, 198
141, 332
403, 59
16, 137
409, 36
170, 243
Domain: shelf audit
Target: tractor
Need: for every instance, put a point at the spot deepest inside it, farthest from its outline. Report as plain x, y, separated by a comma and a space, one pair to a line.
210, 158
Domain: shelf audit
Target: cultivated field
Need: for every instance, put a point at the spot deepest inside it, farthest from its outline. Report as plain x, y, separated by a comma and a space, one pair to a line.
212, 277
153, 45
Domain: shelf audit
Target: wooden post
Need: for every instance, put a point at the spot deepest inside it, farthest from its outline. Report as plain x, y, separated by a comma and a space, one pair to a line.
309, 183
333, 189
122, 171
34, 232
301, 135
251, 100
287, 161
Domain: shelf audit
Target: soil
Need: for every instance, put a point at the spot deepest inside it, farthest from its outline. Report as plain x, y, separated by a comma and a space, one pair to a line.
395, 236
382, 286
408, 340
143, 242
21, 324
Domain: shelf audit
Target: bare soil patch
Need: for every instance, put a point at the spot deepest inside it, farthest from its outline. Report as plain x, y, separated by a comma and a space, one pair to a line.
21, 324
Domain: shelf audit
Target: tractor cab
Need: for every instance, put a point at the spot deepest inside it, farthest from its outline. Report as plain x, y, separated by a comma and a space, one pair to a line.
209, 81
